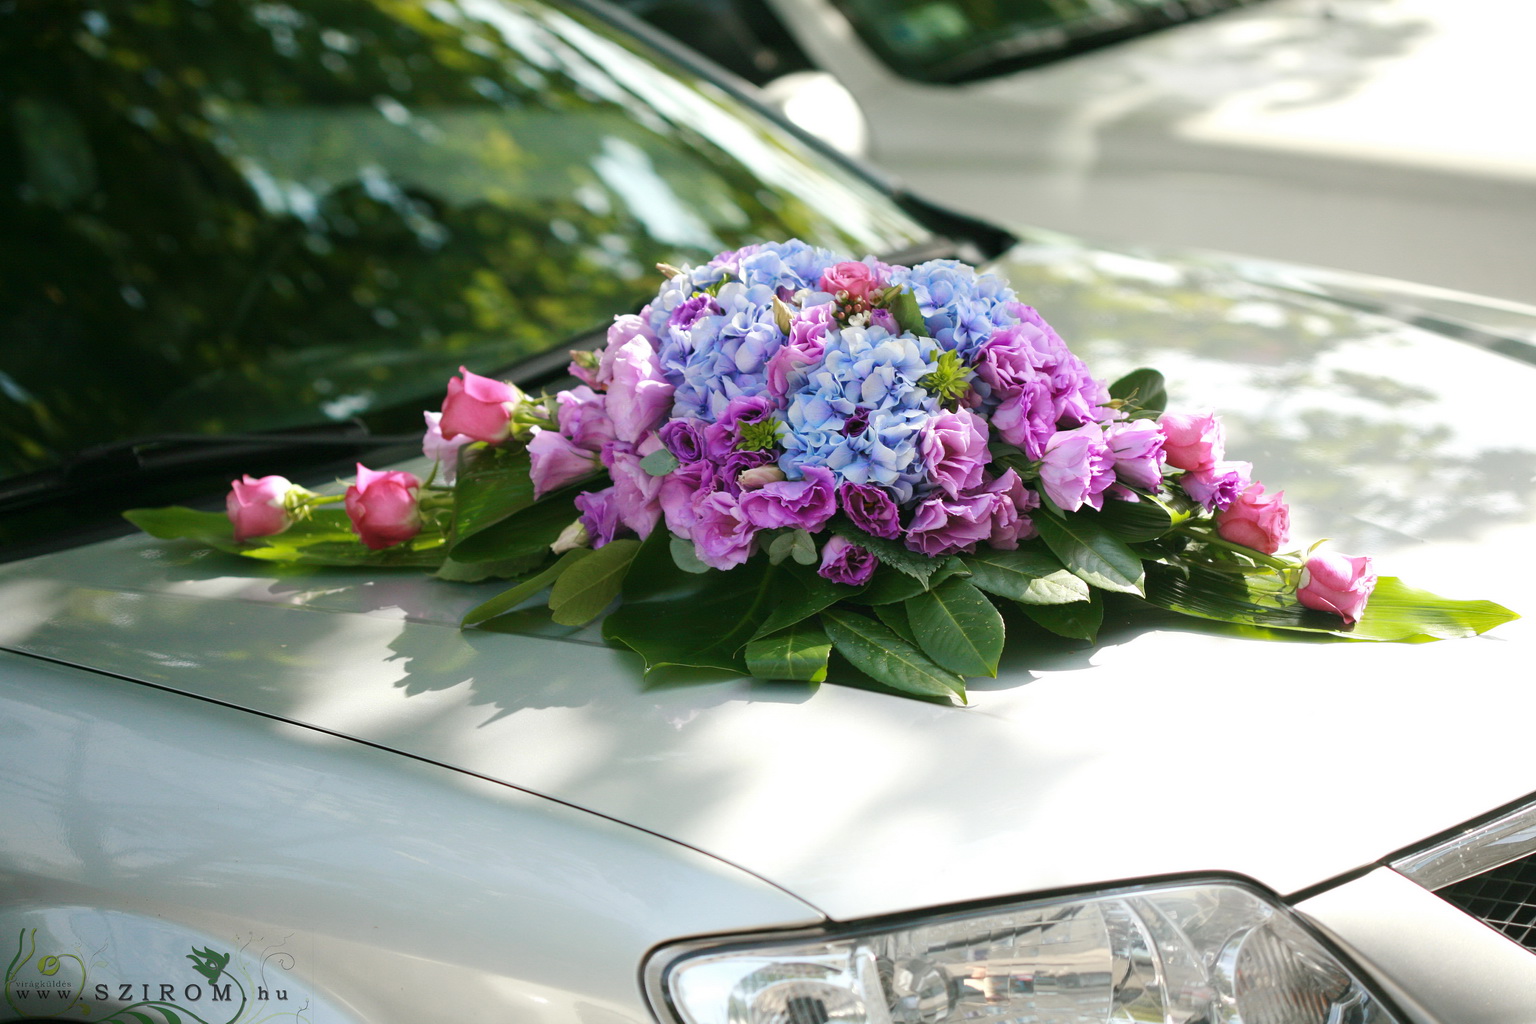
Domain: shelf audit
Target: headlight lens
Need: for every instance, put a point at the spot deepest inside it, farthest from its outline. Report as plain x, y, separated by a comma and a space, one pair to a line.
1176, 954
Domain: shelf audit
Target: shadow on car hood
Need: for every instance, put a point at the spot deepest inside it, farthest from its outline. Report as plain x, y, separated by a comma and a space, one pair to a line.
1167, 747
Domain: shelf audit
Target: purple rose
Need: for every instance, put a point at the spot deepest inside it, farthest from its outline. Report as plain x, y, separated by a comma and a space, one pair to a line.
1137, 448
843, 561
871, 508
804, 504
1219, 487
1077, 468
954, 448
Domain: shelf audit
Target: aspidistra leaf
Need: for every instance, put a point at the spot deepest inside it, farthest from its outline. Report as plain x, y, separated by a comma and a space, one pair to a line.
957, 626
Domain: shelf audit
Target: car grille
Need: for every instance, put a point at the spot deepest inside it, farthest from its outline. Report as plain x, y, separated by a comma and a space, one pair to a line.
1504, 899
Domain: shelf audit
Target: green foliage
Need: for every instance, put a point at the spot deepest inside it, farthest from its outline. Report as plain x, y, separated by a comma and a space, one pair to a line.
1143, 393
797, 652
1029, 575
325, 538
590, 585
1092, 552
1079, 621
958, 628
879, 653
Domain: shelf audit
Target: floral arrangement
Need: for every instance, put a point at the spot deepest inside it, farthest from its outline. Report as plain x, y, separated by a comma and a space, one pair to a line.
786, 453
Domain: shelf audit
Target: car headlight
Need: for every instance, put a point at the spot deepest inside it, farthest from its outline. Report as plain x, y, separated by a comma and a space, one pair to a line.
1214, 953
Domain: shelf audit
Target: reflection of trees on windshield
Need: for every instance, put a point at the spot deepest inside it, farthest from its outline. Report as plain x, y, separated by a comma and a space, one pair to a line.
232, 215
1359, 421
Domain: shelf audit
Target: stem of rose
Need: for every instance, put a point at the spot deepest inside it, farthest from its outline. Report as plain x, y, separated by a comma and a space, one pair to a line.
1210, 537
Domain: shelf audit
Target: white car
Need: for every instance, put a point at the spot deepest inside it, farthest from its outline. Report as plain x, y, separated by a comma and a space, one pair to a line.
233, 791
1389, 137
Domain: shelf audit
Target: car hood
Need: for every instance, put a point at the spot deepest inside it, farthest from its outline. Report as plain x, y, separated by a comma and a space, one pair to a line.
1165, 748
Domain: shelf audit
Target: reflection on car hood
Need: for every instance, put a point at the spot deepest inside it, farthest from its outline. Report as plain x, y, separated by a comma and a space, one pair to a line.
1164, 748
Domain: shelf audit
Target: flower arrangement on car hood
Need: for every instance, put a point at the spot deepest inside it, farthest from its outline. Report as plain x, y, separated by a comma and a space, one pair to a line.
786, 454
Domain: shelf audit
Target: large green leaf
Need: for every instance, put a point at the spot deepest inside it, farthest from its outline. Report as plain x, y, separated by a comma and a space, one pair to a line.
895, 618
1395, 612
705, 625
1029, 575
886, 658
1143, 391
1091, 552
957, 626
1080, 620
492, 484
890, 586
509, 599
529, 531
802, 593
581, 593
797, 652
325, 538
1137, 522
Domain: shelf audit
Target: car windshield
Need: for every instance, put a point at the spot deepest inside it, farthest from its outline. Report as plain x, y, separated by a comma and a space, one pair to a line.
231, 216
959, 40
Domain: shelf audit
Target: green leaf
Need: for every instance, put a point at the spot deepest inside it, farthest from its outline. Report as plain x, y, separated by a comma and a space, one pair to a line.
895, 616
1395, 611
879, 653
957, 626
1080, 620
892, 553
1143, 391
588, 586
1137, 522
803, 548
703, 624
492, 484
889, 587
797, 652
802, 593
325, 538
475, 572
654, 573
522, 534
909, 316
509, 599
1029, 575
1092, 553
659, 463
686, 557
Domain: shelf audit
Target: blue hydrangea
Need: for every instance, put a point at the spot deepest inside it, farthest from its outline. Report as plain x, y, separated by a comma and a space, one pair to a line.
962, 308
867, 376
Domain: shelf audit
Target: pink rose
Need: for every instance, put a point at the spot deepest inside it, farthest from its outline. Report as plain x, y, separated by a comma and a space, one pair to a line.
857, 279
1256, 520
479, 408
1193, 441
257, 507
1341, 584
382, 507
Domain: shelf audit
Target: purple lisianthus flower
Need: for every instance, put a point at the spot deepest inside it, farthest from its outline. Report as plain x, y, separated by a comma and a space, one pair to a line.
1011, 521
684, 438
636, 493
722, 436
444, 452
1137, 448
942, 525
1026, 419
554, 462
1217, 488
871, 509
638, 395
1077, 468
804, 504
722, 536
582, 416
954, 448
599, 514
843, 561
679, 494
625, 328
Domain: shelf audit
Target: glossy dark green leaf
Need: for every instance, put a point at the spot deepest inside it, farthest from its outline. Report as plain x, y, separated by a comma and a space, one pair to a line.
1080, 620
654, 572
1137, 522
895, 617
1030, 575
958, 627
509, 599
1092, 553
892, 553
889, 586
526, 532
591, 584
1143, 391
879, 653
492, 484
802, 593
325, 538
798, 652
705, 625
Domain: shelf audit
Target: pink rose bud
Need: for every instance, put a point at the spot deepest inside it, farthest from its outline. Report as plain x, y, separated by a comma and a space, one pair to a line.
1193, 441
382, 507
759, 476
257, 507
857, 279
1341, 584
479, 408
1256, 520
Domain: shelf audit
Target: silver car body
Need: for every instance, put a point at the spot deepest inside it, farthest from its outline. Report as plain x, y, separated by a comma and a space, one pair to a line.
382, 817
